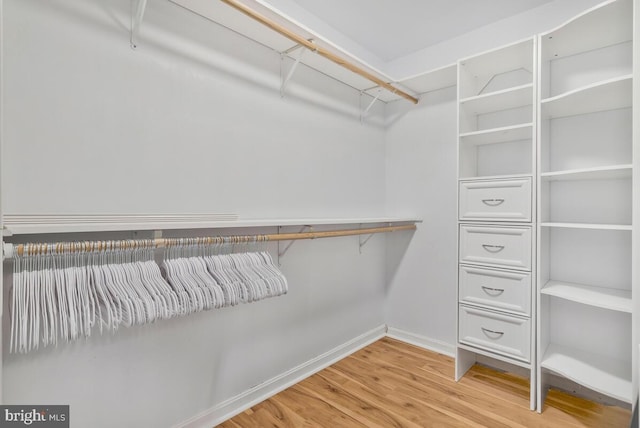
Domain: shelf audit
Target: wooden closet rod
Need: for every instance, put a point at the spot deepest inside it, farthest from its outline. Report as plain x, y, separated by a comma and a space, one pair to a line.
312, 47
11, 250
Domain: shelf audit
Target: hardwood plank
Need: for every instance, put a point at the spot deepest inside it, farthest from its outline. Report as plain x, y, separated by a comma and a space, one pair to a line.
367, 413
313, 409
370, 377
406, 406
586, 412
388, 349
393, 384
428, 391
483, 378
420, 376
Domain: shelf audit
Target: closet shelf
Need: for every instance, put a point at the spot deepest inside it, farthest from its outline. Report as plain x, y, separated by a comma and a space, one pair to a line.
610, 94
602, 374
269, 27
506, 99
596, 173
503, 134
593, 226
25, 225
495, 177
603, 25
601, 297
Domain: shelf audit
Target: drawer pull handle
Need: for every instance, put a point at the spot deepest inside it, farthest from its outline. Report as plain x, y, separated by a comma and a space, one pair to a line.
493, 291
493, 248
492, 202
487, 332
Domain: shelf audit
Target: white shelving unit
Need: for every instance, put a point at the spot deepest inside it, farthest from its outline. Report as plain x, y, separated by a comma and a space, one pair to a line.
496, 164
584, 281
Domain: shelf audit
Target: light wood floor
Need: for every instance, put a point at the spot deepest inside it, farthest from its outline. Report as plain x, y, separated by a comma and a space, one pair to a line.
393, 384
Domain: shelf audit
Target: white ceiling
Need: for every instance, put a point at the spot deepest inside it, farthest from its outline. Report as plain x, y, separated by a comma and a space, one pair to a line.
390, 29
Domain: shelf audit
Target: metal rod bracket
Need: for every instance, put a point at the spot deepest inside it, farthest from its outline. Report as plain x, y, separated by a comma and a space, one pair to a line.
281, 253
364, 241
364, 112
285, 79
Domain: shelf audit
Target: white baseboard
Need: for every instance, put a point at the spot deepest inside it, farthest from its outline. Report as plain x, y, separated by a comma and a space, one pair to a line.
422, 341
238, 404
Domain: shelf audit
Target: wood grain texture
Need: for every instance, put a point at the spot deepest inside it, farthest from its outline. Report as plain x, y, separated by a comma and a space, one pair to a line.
394, 384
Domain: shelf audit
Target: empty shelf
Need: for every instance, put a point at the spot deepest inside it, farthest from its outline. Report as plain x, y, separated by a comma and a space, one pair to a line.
610, 94
498, 135
495, 177
594, 226
601, 297
506, 99
602, 374
597, 173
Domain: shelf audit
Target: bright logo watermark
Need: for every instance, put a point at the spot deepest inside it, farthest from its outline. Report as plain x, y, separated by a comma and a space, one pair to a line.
34, 416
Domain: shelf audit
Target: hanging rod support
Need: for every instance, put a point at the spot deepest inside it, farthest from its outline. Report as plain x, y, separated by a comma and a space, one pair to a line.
363, 113
363, 242
283, 252
296, 47
292, 70
137, 13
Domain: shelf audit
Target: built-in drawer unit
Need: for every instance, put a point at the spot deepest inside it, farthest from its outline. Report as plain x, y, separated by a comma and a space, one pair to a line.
506, 247
496, 200
499, 333
496, 289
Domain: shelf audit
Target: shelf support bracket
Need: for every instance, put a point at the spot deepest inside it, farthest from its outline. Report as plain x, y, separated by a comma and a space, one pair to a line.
363, 113
285, 80
363, 241
281, 253
137, 13
490, 79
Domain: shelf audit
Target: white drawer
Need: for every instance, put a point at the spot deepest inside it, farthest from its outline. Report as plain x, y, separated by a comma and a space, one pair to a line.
502, 200
506, 291
508, 247
498, 333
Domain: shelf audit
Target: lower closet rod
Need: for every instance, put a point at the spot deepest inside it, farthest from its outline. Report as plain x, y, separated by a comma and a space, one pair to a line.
11, 250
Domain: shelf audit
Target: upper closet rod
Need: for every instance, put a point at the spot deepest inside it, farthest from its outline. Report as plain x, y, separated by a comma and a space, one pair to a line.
11, 250
311, 46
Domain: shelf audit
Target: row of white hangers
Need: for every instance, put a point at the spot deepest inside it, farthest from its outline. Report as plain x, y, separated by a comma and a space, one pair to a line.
62, 297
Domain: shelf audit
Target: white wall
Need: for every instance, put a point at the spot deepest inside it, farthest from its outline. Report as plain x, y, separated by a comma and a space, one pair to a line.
184, 124
421, 181
190, 122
